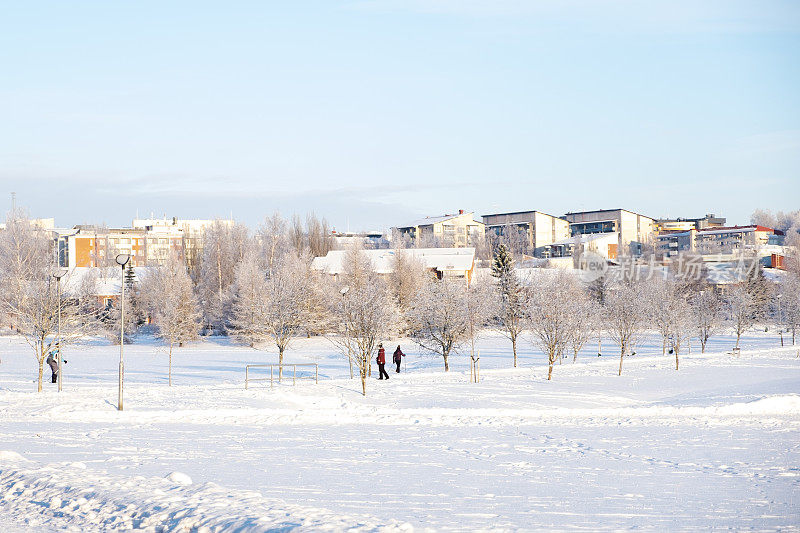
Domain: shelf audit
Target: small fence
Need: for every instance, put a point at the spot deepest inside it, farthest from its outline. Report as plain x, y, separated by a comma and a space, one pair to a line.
275, 373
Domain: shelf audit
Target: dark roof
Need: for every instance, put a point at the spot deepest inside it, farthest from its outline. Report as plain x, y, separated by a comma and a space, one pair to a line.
607, 211
518, 213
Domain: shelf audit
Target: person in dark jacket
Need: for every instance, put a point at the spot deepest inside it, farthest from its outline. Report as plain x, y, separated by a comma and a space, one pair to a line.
382, 362
398, 358
52, 362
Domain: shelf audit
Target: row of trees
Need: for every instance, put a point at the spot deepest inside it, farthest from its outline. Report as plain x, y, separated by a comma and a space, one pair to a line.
261, 289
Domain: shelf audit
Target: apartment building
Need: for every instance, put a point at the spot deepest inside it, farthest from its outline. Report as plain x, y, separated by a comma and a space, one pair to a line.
540, 229
720, 240
634, 231
93, 246
147, 241
686, 224
457, 231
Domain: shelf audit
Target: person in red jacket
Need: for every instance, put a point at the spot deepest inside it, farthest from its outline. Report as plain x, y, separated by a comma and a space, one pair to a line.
382, 362
398, 358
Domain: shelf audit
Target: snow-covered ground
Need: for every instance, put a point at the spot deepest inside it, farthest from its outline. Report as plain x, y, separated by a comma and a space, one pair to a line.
715, 444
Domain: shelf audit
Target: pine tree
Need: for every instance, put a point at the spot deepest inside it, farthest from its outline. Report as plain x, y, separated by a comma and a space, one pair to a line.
502, 263
511, 294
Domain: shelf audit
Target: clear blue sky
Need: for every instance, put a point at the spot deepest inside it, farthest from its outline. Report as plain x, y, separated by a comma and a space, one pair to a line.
375, 112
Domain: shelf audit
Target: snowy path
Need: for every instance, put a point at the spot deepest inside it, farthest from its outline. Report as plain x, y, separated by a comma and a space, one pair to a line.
714, 445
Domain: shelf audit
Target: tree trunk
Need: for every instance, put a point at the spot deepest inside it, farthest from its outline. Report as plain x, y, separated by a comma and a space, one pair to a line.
41, 370
514, 349
663, 345
446, 366
703, 345
170, 364
280, 363
351, 365
363, 384
676, 359
550, 361
621, 357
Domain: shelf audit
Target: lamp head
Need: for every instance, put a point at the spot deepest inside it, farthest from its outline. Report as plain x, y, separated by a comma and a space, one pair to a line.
122, 259
59, 272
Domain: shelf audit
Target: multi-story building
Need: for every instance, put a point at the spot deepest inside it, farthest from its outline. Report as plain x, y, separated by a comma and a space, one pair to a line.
686, 224
633, 230
148, 242
720, 240
174, 235
736, 238
540, 229
93, 246
603, 244
457, 230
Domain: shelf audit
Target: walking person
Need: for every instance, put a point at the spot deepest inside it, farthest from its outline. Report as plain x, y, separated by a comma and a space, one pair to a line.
382, 362
52, 362
398, 358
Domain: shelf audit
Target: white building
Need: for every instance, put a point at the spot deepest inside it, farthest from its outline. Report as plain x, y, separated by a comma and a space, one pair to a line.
633, 230
458, 230
443, 262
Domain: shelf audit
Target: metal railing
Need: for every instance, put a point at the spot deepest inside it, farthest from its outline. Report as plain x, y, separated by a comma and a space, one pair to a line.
280, 374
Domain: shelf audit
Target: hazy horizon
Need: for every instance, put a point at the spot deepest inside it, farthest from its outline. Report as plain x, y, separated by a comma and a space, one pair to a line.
375, 113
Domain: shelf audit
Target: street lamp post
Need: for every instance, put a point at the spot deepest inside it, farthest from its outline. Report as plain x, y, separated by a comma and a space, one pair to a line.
58, 274
122, 260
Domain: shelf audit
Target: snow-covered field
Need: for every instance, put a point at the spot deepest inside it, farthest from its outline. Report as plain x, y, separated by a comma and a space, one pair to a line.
714, 445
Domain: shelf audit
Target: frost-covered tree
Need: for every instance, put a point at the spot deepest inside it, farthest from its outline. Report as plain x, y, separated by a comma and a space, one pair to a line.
273, 239
511, 295
318, 236
741, 309
407, 277
361, 312
169, 294
249, 308
271, 307
787, 303
549, 315
439, 316
224, 245
625, 317
480, 307
787, 222
747, 302
681, 323
29, 293
584, 321
666, 307
707, 315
